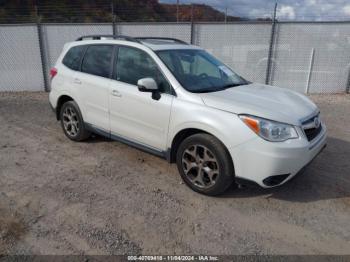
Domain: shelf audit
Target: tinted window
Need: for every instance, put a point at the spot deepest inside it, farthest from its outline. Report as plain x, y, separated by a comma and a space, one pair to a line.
134, 64
97, 60
73, 57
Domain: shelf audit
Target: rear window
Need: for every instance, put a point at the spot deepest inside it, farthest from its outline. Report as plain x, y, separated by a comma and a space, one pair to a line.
73, 57
97, 60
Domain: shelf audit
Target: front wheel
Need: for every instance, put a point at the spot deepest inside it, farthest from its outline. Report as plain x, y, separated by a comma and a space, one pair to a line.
205, 164
72, 122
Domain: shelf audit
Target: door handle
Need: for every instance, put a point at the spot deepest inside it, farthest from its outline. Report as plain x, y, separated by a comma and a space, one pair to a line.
116, 93
77, 81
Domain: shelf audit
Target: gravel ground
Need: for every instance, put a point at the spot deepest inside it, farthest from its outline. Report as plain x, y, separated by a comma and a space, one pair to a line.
103, 197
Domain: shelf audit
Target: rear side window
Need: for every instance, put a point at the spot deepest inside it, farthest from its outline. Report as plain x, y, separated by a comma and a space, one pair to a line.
73, 57
97, 60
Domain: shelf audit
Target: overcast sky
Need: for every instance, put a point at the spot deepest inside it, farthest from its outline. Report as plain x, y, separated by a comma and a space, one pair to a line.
287, 9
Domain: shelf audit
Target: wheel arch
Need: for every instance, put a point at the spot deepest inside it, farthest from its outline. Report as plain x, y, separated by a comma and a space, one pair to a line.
61, 100
186, 132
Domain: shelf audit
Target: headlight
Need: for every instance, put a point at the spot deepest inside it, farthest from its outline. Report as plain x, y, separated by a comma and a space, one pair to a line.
270, 130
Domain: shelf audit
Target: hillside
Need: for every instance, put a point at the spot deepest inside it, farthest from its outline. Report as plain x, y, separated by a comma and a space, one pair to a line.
17, 11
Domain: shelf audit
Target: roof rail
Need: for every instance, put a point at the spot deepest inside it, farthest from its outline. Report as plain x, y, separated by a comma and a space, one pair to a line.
129, 38
98, 37
161, 38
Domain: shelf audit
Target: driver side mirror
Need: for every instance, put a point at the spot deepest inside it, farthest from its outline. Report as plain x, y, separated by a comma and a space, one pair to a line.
147, 85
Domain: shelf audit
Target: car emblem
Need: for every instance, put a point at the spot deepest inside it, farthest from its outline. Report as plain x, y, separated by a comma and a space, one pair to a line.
317, 122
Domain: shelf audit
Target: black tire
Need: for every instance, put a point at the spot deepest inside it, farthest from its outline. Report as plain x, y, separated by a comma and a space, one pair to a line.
223, 164
81, 132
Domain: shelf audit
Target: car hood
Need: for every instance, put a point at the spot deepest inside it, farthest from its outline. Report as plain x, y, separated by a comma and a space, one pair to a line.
265, 101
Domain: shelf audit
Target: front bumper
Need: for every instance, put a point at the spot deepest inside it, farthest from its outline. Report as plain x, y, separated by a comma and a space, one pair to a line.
261, 161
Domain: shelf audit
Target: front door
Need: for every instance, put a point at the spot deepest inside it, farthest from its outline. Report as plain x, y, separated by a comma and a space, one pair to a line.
134, 115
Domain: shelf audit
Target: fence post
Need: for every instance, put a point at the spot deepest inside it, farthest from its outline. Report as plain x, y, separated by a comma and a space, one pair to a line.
347, 88
42, 51
192, 25
311, 63
272, 39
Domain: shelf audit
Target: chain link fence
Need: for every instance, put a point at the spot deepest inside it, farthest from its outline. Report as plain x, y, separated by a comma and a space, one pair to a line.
311, 57
308, 57
20, 63
243, 47
180, 31
56, 35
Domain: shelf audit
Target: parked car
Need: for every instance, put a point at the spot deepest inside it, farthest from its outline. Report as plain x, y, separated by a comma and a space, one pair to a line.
177, 101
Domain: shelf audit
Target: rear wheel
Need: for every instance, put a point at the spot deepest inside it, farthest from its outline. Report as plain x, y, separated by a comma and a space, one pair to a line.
205, 164
72, 122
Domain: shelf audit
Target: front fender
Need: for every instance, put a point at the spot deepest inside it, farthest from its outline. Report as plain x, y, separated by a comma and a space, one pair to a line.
225, 126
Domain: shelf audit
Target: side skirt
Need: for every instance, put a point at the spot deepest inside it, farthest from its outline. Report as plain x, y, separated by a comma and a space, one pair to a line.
144, 148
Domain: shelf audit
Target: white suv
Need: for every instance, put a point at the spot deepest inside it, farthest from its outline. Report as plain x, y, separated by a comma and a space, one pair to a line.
177, 101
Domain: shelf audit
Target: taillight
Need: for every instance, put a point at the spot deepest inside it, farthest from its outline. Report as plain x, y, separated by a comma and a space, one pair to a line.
53, 72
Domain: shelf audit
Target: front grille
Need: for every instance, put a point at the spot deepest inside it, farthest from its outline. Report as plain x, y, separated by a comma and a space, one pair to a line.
310, 129
311, 133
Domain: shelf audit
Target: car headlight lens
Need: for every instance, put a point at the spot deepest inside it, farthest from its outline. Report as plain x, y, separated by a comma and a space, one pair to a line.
270, 130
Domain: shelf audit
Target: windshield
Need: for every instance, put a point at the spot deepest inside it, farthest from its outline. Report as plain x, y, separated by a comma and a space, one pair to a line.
199, 72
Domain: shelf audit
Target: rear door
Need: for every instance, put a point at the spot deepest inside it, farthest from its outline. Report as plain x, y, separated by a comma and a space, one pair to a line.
94, 82
67, 71
134, 115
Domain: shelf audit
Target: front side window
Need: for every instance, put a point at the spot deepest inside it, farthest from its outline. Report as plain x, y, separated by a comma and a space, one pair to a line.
133, 64
198, 71
73, 57
97, 60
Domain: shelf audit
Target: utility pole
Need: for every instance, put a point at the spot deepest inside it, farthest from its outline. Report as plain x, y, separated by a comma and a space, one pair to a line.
225, 15
192, 25
113, 18
269, 58
192, 14
37, 14
177, 10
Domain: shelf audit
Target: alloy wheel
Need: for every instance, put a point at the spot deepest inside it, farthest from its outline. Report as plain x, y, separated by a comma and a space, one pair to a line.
70, 121
200, 166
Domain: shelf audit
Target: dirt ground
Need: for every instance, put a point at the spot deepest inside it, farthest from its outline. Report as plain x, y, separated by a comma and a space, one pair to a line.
103, 197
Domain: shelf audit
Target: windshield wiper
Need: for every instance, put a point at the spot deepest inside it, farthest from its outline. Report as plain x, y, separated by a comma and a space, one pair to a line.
206, 90
231, 85
217, 89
